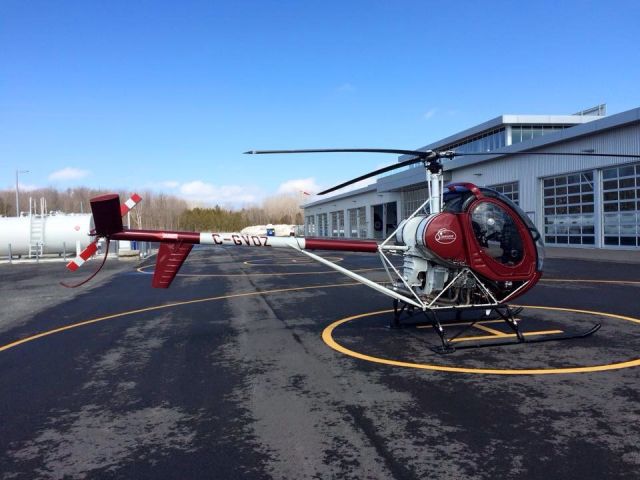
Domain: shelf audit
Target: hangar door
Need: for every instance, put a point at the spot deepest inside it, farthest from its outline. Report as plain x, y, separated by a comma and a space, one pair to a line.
569, 217
621, 205
385, 219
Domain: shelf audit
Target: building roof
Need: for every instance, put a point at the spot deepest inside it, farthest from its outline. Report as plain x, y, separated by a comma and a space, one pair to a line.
600, 124
504, 120
583, 125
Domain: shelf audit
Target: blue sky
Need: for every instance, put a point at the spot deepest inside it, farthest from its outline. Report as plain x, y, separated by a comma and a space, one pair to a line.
167, 95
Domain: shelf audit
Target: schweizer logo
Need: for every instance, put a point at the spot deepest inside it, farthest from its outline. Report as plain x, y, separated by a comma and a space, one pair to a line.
445, 236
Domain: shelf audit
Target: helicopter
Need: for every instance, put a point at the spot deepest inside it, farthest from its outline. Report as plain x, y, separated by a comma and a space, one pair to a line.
466, 249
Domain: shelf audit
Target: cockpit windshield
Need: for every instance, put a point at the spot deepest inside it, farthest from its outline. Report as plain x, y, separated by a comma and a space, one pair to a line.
458, 199
497, 233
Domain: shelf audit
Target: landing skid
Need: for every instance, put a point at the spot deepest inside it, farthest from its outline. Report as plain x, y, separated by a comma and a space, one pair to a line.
503, 312
551, 338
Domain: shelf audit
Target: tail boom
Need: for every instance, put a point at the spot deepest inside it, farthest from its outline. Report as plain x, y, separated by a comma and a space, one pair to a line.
240, 240
175, 246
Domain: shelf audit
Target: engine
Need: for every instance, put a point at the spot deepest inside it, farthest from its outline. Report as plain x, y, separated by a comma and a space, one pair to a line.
435, 256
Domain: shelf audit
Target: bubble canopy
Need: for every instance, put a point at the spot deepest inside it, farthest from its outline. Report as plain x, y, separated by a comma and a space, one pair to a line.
493, 223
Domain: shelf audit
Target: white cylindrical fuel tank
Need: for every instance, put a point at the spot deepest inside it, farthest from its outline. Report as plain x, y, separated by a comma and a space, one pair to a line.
59, 233
61, 230
15, 231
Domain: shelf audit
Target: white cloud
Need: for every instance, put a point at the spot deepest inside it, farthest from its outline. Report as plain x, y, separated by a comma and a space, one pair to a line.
68, 173
298, 185
430, 113
170, 184
199, 192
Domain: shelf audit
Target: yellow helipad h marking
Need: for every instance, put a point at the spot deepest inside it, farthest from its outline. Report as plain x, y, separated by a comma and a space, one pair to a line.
484, 322
160, 307
506, 335
327, 336
496, 333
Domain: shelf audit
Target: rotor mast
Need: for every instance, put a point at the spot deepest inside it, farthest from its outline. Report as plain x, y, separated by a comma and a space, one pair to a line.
435, 182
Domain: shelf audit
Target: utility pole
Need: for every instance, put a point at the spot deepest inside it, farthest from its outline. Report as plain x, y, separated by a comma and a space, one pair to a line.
17, 198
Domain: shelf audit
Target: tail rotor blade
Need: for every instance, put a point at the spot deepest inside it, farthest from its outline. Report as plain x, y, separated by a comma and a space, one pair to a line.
86, 253
130, 203
83, 256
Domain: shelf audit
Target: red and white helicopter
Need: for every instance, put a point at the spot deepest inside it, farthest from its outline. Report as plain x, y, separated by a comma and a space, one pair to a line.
466, 248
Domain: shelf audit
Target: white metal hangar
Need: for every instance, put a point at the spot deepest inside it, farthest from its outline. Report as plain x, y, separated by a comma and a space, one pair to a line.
575, 201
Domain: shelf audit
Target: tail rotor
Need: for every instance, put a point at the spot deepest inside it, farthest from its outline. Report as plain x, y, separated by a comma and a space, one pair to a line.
107, 218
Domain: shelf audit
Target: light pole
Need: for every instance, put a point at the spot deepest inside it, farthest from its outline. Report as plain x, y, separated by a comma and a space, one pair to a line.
17, 199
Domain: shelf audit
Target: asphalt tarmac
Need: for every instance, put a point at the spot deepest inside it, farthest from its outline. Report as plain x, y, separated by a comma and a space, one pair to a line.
242, 370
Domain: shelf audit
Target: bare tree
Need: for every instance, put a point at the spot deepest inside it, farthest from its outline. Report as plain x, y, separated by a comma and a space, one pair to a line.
162, 211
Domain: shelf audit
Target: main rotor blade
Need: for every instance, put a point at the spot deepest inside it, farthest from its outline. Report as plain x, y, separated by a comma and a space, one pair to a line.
418, 153
428, 156
533, 152
411, 161
447, 153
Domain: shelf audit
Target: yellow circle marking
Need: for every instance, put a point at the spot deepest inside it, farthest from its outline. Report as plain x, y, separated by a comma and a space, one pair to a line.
160, 307
327, 336
572, 280
279, 274
324, 272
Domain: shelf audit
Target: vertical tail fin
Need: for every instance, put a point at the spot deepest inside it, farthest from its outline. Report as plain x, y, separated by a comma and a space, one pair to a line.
171, 256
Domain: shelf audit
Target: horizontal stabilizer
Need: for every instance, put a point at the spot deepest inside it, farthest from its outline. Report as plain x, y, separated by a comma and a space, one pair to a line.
171, 256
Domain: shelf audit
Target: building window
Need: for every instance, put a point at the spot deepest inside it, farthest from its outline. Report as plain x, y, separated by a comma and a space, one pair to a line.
569, 217
485, 142
522, 133
353, 222
337, 223
363, 226
509, 190
358, 222
621, 206
310, 225
412, 199
323, 225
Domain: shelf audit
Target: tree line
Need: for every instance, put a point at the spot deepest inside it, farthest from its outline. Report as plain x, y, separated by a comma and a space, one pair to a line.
161, 211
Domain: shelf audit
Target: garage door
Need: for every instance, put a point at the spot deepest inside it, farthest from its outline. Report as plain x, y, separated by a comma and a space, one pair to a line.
569, 217
621, 206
